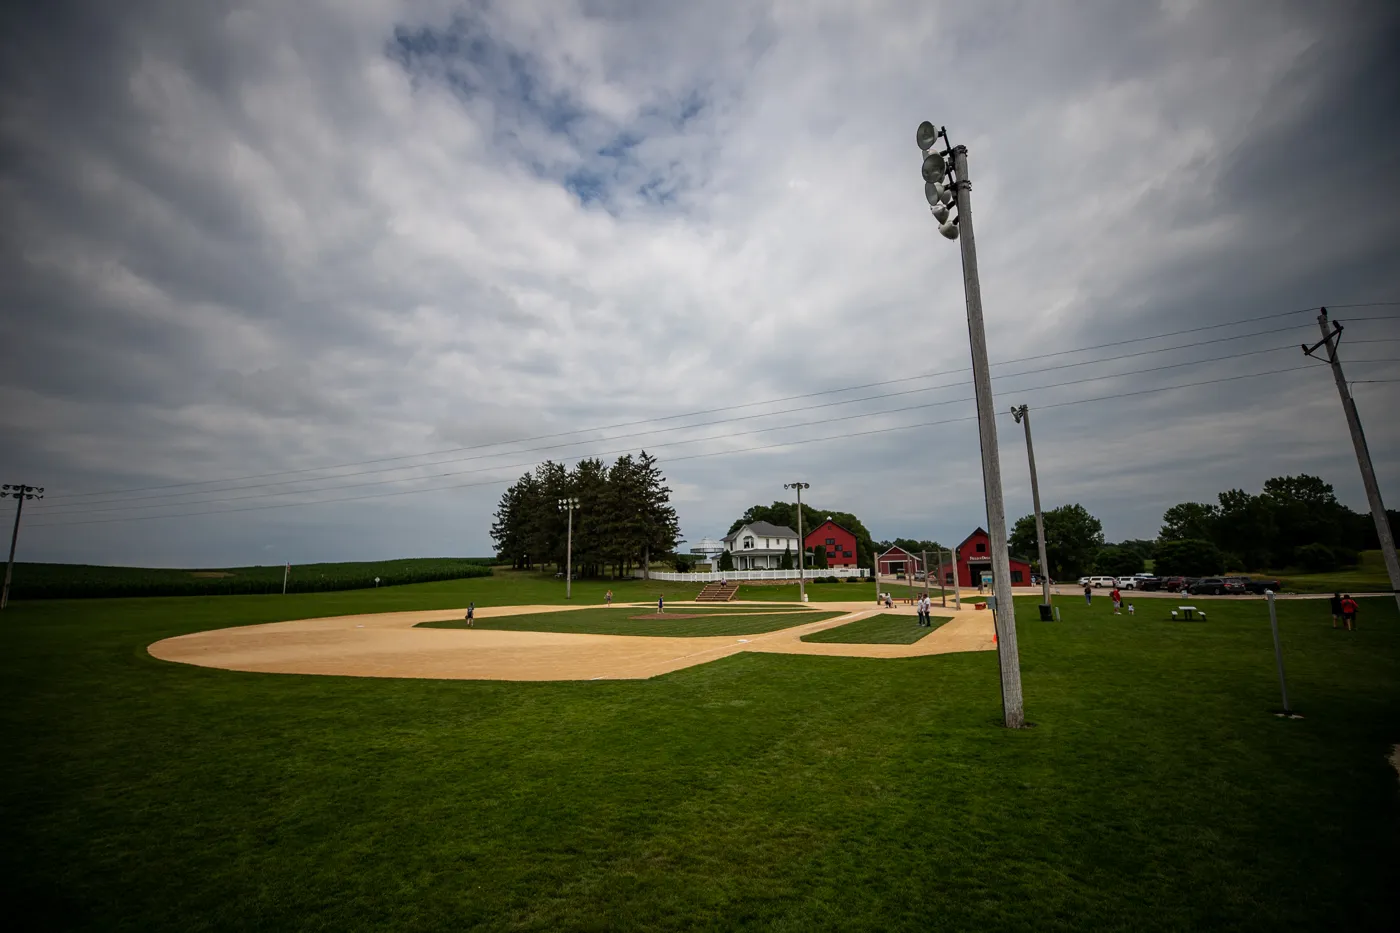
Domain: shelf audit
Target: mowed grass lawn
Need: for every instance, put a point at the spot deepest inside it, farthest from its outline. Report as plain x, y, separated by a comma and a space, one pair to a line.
885, 628
761, 791
713, 621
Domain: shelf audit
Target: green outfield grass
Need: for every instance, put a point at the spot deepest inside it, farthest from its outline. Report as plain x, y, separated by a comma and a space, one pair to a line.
760, 791
716, 621
886, 628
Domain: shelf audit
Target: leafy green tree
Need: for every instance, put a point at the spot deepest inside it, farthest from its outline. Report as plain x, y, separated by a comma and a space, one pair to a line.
1189, 520
1073, 538
1188, 557
819, 557
1316, 558
787, 558
726, 562
1117, 562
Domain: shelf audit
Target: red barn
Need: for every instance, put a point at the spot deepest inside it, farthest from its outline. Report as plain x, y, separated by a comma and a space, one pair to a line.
897, 560
974, 558
840, 544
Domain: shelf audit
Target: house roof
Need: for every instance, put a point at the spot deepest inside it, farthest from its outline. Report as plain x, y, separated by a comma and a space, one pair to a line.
830, 522
900, 550
980, 531
767, 529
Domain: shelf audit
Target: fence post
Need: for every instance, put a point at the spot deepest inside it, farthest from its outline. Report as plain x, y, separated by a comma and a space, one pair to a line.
1278, 654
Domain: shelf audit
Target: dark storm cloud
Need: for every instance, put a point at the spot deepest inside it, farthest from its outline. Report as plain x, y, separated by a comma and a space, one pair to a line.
250, 237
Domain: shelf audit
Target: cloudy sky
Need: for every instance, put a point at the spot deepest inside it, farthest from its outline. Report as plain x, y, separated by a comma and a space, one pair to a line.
404, 248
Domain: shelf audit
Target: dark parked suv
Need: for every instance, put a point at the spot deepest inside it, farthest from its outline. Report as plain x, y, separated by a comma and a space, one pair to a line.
1174, 584
1217, 586
1253, 585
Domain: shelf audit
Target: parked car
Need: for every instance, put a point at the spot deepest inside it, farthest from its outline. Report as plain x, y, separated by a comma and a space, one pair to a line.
1236, 585
1097, 582
1149, 583
1259, 585
1217, 586
1083, 580
1175, 584
1127, 583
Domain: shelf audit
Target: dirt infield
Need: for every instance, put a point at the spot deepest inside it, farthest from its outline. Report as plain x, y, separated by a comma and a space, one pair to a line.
388, 645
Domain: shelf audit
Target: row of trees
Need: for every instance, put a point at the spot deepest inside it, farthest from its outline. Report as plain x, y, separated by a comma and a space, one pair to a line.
1294, 522
624, 517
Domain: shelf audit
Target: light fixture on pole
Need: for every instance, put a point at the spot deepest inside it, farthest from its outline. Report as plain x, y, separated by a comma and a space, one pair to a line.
801, 544
19, 492
945, 173
568, 504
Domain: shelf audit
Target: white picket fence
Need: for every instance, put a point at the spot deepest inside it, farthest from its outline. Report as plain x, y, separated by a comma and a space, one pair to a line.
741, 575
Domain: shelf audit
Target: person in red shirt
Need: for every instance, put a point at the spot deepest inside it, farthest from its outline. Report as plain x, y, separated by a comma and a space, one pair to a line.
1349, 612
1117, 598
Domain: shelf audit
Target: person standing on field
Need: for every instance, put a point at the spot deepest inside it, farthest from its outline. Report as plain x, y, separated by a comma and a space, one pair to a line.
1336, 609
471, 615
1088, 595
1117, 598
660, 605
1349, 612
607, 597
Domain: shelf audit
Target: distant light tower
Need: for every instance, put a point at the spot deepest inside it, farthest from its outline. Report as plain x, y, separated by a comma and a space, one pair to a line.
568, 504
801, 545
947, 186
19, 492
1023, 416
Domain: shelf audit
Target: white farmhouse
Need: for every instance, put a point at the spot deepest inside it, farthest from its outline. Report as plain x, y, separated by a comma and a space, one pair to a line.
760, 546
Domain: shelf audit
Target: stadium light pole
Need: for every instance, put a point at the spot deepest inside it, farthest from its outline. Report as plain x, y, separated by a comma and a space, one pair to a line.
801, 545
1023, 416
568, 504
19, 492
948, 186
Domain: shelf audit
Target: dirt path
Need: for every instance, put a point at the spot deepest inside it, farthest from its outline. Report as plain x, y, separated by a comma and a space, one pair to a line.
388, 645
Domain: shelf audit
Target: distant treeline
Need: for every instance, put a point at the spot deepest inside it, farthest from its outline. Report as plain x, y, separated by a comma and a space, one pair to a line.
87, 581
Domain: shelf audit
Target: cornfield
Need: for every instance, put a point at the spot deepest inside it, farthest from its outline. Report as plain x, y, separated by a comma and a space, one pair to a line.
85, 581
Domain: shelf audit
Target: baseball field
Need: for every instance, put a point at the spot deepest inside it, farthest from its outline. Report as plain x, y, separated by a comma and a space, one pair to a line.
769, 785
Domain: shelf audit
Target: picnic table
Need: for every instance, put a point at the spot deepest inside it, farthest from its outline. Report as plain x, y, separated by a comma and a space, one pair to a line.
1188, 613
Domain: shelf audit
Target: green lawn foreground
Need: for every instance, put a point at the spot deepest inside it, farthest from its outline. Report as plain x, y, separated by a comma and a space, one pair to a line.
885, 628
759, 791
716, 621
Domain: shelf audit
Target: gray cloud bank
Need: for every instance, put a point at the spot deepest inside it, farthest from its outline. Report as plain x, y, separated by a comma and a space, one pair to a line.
258, 237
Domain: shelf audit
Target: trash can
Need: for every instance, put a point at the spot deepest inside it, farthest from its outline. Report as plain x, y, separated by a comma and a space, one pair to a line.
1047, 613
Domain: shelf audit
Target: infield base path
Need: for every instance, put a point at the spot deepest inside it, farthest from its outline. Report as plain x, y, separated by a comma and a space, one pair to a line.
389, 645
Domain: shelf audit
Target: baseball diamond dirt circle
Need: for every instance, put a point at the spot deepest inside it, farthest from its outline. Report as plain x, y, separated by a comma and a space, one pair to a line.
391, 645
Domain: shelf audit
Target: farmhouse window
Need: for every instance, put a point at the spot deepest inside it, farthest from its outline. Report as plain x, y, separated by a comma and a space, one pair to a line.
981, 547
830, 540
748, 542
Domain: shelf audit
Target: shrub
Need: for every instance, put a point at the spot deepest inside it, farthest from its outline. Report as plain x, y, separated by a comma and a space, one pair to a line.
1316, 558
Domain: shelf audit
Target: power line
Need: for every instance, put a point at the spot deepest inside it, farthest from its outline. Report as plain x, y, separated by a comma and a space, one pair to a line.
122, 508
88, 506
793, 443
698, 413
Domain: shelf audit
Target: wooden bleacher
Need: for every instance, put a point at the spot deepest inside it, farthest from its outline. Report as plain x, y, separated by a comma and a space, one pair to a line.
718, 592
